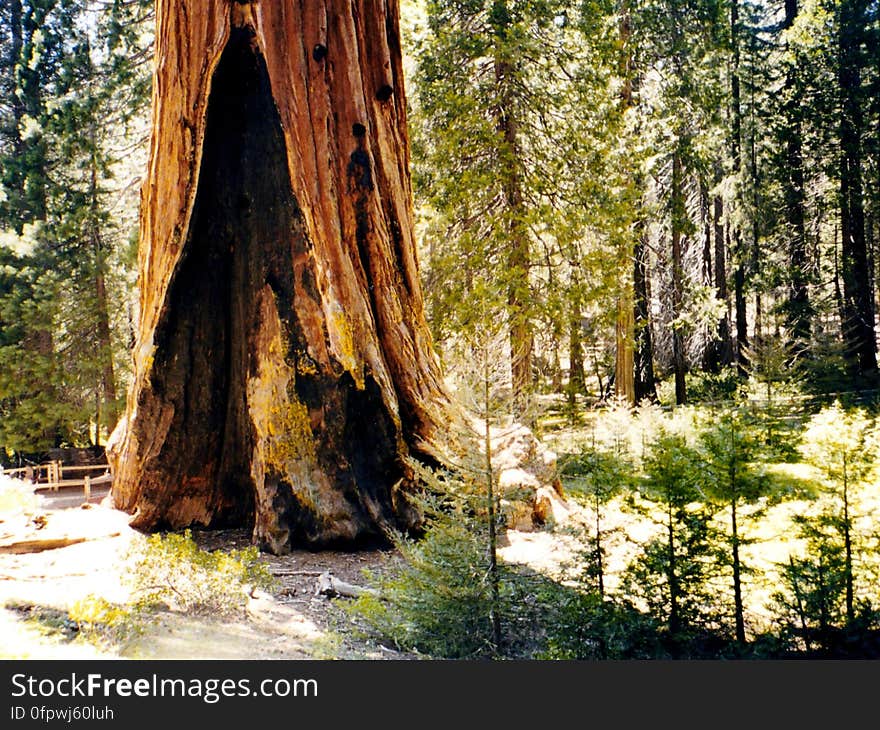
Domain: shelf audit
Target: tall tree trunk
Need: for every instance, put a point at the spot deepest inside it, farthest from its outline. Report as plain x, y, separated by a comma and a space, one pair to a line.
799, 310
576, 375
838, 291
858, 325
755, 248
643, 352
738, 609
600, 563
706, 218
102, 313
16, 43
624, 383
494, 578
710, 353
284, 371
624, 363
739, 277
519, 254
518, 260
678, 216
847, 545
805, 629
723, 343
742, 329
672, 576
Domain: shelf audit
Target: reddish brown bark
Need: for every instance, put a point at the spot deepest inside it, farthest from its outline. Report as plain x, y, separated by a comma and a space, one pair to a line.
284, 372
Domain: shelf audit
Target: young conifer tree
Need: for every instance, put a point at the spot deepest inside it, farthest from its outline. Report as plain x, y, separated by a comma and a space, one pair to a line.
734, 480
672, 571
842, 446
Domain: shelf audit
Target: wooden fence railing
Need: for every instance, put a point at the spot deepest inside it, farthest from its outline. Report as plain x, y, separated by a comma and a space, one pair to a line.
51, 475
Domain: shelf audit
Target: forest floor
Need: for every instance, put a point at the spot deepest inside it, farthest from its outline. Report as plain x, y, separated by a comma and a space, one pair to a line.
39, 589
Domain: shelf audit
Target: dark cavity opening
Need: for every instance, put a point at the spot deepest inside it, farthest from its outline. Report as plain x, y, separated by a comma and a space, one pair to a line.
239, 240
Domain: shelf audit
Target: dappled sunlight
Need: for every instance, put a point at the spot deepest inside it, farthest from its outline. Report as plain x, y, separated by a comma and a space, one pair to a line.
50, 597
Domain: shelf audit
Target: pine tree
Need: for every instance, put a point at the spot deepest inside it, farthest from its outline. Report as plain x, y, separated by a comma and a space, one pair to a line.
78, 81
597, 475
522, 190
842, 446
733, 480
672, 571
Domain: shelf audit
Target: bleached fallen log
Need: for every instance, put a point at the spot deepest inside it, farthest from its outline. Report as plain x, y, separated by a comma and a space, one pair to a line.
327, 585
38, 546
20, 547
283, 573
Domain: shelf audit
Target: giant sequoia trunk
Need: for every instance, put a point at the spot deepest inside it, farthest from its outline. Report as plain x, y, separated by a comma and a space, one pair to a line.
283, 370
625, 336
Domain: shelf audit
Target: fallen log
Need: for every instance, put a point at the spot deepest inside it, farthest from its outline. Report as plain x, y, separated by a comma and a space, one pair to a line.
21, 547
331, 587
38, 546
282, 573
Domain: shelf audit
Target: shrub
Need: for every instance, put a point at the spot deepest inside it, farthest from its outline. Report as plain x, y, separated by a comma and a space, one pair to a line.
440, 601
172, 570
101, 622
16, 497
581, 625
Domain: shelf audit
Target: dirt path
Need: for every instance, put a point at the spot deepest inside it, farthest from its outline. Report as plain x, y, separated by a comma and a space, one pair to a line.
37, 589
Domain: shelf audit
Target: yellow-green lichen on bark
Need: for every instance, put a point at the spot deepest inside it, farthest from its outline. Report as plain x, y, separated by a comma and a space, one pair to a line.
284, 445
342, 340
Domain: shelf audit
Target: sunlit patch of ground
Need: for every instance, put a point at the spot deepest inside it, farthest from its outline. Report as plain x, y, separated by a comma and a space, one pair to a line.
771, 538
37, 589
29, 640
550, 553
176, 636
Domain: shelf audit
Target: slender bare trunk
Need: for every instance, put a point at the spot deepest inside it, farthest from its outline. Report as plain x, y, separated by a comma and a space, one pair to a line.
678, 358
739, 293
643, 352
490, 494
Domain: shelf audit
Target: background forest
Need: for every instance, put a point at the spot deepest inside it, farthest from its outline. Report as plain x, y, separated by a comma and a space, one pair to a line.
623, 207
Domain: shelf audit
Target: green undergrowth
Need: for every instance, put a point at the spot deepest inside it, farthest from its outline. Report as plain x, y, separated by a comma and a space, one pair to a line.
169, 571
